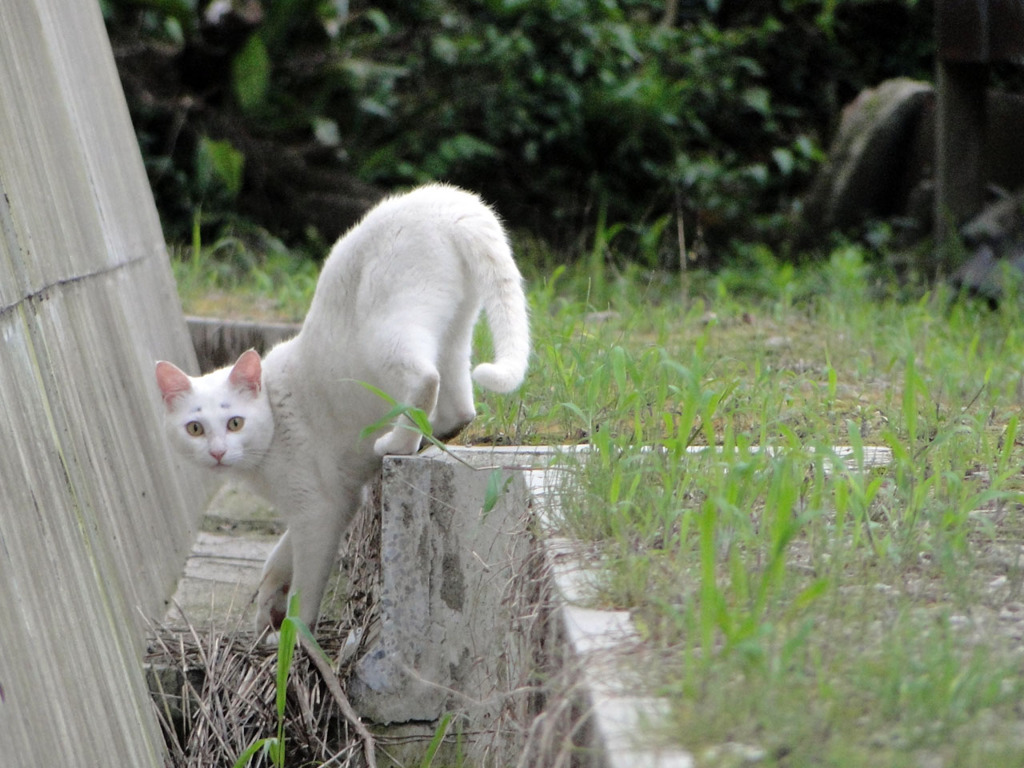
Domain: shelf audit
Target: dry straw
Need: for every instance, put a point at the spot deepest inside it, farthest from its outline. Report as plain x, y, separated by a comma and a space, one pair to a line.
215, 689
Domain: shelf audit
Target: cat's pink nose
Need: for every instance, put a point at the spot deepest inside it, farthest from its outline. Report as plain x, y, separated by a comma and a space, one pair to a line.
218, 455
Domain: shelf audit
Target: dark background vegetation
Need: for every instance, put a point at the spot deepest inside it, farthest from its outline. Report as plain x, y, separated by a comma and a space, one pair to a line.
570, 116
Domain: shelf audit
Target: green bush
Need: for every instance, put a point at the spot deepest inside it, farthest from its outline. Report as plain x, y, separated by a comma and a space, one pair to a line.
564, 112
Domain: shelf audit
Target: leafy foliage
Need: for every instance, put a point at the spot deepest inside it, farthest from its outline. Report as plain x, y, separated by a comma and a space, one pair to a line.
712, 115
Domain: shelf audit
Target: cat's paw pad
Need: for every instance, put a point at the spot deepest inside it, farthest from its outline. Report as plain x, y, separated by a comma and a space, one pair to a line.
397, 442
447, 430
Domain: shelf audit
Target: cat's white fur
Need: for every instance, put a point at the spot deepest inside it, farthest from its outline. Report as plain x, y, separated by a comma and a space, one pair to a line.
394, 307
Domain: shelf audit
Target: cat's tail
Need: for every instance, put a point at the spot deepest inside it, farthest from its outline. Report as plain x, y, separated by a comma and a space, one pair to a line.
505, 304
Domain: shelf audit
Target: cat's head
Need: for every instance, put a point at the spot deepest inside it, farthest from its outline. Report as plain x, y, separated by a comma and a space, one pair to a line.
222, 419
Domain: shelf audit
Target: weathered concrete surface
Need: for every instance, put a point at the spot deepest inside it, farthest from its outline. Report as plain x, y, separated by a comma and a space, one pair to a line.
95, 522
451, 599
223, 570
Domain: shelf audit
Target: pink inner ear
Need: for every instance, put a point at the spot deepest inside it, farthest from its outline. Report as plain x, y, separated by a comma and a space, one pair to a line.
172, 381
247, 373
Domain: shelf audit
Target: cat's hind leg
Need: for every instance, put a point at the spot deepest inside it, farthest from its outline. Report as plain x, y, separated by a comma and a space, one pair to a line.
455, 408
272, 597
410, 365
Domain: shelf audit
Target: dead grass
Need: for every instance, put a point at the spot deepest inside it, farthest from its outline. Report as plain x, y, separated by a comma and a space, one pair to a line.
215, 689
216, 693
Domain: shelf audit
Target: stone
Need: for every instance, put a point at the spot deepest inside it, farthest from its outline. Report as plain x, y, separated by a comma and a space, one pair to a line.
994, 240
869, 170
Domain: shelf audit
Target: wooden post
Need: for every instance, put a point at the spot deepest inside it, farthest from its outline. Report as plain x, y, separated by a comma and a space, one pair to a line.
959, 149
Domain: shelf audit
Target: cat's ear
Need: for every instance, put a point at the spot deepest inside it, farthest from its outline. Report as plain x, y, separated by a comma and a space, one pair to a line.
173, 382
247, 373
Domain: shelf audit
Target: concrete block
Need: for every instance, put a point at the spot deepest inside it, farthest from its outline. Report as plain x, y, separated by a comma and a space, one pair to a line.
453, 592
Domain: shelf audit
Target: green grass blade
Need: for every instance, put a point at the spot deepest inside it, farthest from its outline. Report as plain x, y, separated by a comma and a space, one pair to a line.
247, 755
435, 742
497, 484
285, 652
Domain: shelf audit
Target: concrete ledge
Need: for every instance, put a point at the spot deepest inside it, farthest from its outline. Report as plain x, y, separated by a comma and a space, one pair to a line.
590, 653
448, 580
599, 649
220, 342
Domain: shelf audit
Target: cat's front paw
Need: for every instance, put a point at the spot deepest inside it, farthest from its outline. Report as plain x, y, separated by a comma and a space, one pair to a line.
397, 442
271, 639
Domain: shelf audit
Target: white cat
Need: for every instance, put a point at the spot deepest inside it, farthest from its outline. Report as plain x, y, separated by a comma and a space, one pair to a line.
394, 307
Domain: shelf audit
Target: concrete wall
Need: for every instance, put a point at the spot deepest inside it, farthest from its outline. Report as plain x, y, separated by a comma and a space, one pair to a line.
95, 522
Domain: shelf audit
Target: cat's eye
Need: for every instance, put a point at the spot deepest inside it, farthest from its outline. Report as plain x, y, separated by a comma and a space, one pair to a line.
194, 428
235, 423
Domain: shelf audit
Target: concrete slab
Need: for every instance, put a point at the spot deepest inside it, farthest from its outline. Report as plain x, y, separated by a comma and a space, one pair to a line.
223, 568
220, 580
95, 518
451, 592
